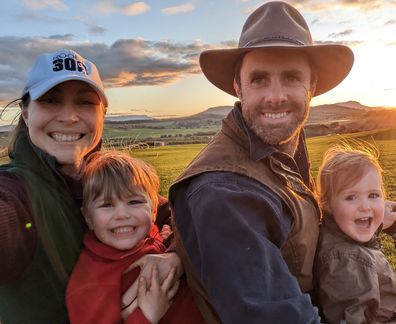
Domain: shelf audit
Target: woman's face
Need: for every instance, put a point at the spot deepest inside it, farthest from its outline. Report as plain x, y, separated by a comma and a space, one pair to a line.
66, 122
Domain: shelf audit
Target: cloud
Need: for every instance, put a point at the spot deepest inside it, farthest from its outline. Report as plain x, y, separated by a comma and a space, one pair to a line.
390, 22
43, 4
331, 5
95, 29
140, 62
183, 8
92, 27
346, 32
303, 6
365, 4
133, 9
315, 21
351, 43
36, 17
127, 62
311, 5
63, 37
136, 8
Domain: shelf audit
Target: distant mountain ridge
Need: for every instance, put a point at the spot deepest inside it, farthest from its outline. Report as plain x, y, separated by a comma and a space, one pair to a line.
334, 111
343, 117
337, 110
123, 118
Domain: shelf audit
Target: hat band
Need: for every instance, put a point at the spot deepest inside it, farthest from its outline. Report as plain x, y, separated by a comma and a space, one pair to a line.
275, 38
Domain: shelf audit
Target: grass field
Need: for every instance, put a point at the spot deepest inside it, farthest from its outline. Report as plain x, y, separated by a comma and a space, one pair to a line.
144, 133
170, 161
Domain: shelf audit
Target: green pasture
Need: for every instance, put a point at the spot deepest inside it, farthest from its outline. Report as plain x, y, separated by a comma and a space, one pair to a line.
155, 133
170, 161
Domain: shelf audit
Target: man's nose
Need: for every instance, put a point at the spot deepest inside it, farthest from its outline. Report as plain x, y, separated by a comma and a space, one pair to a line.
276, 93
68, 113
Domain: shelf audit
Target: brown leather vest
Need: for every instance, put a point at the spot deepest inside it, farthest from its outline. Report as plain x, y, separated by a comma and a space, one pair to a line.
229, 151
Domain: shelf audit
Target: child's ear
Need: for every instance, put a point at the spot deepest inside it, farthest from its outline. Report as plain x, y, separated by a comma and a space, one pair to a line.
88, 219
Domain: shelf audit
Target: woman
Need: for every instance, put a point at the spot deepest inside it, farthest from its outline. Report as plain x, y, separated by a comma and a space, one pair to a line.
62, 115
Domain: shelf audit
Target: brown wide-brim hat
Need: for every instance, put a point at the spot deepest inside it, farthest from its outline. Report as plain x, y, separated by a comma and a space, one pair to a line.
278, 25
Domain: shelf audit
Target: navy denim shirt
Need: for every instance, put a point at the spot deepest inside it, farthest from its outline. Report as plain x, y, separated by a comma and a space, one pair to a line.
235, 250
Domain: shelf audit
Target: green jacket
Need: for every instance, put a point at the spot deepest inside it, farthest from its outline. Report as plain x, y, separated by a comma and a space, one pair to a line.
38, 296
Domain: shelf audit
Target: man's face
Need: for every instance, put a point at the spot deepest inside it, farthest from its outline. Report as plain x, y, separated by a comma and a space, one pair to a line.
275, 92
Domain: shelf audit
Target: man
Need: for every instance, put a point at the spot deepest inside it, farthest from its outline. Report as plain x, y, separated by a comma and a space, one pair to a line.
246, 220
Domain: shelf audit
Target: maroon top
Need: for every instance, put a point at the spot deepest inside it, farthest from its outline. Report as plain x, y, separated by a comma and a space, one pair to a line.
98, 280
18, 236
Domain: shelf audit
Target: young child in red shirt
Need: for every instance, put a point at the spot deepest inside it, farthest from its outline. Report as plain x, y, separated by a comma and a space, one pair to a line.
120, 196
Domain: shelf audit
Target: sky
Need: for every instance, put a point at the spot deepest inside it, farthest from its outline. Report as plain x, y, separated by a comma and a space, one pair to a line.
147, 51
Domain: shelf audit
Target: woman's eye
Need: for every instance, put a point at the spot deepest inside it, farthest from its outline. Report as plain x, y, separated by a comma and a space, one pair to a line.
48, 100
86, 102
374, 195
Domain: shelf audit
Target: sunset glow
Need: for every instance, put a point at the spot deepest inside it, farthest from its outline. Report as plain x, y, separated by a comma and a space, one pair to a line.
148, 51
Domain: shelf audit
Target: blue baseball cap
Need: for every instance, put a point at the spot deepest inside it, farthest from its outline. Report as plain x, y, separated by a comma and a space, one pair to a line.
51, 69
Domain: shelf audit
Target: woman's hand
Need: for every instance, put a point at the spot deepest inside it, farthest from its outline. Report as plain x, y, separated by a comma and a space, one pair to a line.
165, 263
390, 214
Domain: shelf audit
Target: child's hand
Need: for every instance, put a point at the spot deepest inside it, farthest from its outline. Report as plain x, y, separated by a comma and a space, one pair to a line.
164, 262
390, 214
155, 300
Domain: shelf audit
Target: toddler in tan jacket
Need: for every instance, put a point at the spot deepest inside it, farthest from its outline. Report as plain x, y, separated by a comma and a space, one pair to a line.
356, 283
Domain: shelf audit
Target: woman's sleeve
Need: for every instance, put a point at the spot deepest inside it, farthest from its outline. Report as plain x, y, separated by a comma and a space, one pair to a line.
164, 218
18, 235
349, 289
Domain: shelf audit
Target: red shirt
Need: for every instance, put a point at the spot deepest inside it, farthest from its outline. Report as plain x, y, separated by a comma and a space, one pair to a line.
97, 283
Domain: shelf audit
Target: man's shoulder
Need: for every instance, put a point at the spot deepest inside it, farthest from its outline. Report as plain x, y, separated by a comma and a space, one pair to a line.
223, 184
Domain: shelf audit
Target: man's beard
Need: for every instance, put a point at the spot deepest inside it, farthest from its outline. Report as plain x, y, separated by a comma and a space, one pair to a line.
278, 134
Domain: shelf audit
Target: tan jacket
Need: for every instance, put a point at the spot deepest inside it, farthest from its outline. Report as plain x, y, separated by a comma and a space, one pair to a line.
229, 152
355, 281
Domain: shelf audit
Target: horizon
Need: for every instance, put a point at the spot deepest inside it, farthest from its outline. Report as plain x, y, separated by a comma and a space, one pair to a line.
147, 52
4, 123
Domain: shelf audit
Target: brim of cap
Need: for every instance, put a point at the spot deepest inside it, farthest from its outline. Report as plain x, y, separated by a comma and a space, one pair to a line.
38, 90
332, 63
